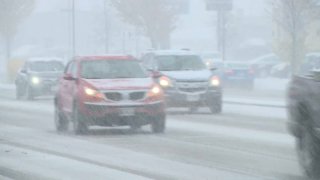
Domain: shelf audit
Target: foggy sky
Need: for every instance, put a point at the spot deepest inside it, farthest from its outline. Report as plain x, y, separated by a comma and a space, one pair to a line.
249, 7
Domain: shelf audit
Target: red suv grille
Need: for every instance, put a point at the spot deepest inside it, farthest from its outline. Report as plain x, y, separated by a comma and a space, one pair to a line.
137, 95
118, 96
114, 96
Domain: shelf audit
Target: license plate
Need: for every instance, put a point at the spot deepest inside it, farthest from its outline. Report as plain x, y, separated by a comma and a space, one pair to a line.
127, 112
193, 98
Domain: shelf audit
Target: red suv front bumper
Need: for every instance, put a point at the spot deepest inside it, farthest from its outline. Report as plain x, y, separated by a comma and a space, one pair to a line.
110, 114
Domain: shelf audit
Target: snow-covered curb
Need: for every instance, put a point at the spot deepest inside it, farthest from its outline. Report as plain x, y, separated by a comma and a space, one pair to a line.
7, 87
271, 84
255, 102
241, 100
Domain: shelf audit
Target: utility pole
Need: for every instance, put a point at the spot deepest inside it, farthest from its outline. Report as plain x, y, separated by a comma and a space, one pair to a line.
106, 26
223, 35
219, 30
73, 17
221, 7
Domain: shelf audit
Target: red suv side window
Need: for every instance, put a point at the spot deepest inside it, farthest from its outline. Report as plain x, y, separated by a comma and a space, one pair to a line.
72, 69
68, 68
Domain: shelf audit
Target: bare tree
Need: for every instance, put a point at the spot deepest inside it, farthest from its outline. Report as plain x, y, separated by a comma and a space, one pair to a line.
293, 17
156, 18
12, 12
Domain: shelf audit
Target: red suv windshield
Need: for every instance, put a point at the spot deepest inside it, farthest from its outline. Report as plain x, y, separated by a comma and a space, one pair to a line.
111, 69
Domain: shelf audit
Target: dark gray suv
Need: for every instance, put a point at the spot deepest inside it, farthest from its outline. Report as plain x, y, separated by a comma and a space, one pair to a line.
38, 76
186, 80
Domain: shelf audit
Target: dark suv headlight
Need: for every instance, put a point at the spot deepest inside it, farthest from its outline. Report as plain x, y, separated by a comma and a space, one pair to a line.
215, 81
35, 80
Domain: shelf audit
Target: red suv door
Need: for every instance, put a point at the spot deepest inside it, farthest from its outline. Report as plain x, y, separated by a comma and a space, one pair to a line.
68, 87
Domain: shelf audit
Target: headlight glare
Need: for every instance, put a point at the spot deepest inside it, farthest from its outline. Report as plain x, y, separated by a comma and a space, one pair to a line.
35, 80
155, 91
90, 92
215, 81
165, 81
93, 95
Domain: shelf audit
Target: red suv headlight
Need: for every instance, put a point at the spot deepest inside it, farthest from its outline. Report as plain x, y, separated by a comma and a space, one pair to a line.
155, 93
92, 94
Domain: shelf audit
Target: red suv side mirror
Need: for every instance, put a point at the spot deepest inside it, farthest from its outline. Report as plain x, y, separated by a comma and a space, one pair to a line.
155, 74
68, 77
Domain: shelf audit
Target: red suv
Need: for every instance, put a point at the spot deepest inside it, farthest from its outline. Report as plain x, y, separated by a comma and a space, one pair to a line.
108, 91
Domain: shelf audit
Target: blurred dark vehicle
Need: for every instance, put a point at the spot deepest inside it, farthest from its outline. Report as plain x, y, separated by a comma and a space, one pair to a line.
312, 62
281, 70
237, 74
218, 66
38, 76
262, 65
186, 80
209, 57
108, 91
304, 112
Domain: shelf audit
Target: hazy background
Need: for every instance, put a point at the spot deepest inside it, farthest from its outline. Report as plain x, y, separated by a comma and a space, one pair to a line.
47, 32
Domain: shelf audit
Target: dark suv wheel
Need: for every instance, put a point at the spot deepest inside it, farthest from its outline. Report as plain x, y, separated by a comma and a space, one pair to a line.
308, 147
158, 124
193, 109
216, 106
29, 93
19, 92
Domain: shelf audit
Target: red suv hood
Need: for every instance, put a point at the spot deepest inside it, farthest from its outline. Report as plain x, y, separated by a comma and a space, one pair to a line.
120, 84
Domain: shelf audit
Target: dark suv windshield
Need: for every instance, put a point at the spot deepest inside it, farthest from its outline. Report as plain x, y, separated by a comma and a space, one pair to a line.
211, 56
309, 65
111, 69
46, 66
180, 63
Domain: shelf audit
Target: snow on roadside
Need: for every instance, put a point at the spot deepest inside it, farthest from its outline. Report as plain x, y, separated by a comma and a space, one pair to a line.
255, 101
121, 159
7, 87
31, 106
234, 132
48, 166
5, 178
257, 96
271, 84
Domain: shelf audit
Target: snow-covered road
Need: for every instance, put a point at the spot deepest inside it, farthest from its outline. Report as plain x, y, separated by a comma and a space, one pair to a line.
245, 142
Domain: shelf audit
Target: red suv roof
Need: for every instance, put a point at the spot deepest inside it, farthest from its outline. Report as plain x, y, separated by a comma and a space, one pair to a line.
105, 57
